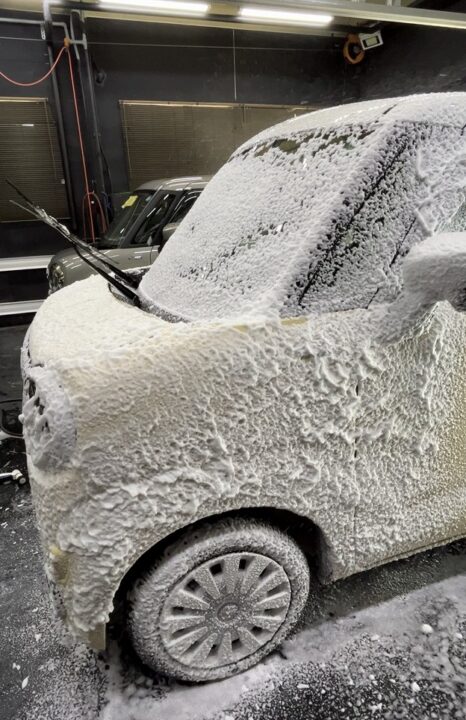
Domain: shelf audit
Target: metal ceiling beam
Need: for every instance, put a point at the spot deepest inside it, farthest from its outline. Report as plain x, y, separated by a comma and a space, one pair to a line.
382, 13
223, 14
337, 8
227, 20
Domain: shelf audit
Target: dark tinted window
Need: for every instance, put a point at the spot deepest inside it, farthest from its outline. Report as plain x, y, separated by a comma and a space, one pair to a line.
184, 207
127, 214
150, 226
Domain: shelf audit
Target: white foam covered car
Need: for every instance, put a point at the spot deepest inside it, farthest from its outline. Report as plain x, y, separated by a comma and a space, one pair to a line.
293, 381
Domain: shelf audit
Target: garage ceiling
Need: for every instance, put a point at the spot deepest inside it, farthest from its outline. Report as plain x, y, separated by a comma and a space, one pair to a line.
345, 13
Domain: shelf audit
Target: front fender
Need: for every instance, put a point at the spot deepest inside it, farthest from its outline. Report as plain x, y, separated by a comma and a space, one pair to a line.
193, 420
93, 578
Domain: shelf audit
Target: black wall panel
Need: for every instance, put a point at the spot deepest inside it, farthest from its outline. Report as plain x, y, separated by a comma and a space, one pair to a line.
412, 60
168, 62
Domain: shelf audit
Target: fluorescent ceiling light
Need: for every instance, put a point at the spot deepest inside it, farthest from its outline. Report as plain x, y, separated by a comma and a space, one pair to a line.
176, 7
288, 17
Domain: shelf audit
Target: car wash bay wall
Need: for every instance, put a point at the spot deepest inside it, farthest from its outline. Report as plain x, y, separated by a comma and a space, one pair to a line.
412, 59
167, 62
138, 61
23, 55
174, 63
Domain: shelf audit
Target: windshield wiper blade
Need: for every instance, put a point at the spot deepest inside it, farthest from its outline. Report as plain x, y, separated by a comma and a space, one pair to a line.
122, 281
41, 214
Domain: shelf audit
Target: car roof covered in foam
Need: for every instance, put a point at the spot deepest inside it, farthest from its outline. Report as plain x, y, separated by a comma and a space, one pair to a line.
439, 108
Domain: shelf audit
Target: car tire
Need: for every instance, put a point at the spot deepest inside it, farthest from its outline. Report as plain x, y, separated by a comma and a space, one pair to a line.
220, 598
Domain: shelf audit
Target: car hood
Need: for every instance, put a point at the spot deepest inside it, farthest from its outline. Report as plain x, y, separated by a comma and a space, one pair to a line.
85, 319
69, 258
63, 256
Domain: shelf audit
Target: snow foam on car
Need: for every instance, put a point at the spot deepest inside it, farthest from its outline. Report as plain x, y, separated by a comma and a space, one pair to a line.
214, 416
446, 108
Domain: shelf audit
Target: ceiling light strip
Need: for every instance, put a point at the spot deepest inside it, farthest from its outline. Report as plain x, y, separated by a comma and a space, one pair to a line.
287, 17
178, 7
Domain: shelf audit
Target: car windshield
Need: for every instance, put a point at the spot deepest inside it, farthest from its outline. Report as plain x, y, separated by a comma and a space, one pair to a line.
129, 211
317, 221
235, 250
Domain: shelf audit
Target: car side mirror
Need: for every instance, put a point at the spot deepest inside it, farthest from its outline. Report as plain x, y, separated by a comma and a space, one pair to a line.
434, 270
168, 231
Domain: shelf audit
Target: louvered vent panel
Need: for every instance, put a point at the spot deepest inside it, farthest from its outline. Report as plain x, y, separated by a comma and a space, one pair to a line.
30, 157
177, 139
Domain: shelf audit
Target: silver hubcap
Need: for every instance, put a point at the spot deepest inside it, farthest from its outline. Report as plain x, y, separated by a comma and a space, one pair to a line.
224, 610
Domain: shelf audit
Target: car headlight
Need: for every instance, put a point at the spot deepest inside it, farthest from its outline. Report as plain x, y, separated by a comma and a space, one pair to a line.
56, 277
49, 429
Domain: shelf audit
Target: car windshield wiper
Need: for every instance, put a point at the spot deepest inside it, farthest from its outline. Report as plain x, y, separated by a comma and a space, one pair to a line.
125, 283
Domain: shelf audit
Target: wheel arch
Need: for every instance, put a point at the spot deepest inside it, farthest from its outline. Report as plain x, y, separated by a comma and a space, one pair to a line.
307, 534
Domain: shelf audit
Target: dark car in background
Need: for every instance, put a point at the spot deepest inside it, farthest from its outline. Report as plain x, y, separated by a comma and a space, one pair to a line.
135, 237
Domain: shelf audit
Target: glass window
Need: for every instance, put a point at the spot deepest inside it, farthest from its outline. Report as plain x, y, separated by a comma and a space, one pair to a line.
262, 214
30, 158
357, 261
317, 221
184, 207
129, 211
151, 224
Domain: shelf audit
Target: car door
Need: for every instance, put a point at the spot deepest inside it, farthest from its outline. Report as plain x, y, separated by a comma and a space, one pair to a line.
409, 450
411, 439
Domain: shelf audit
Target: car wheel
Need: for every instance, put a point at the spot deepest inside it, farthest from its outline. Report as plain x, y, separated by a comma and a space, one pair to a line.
218, 600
